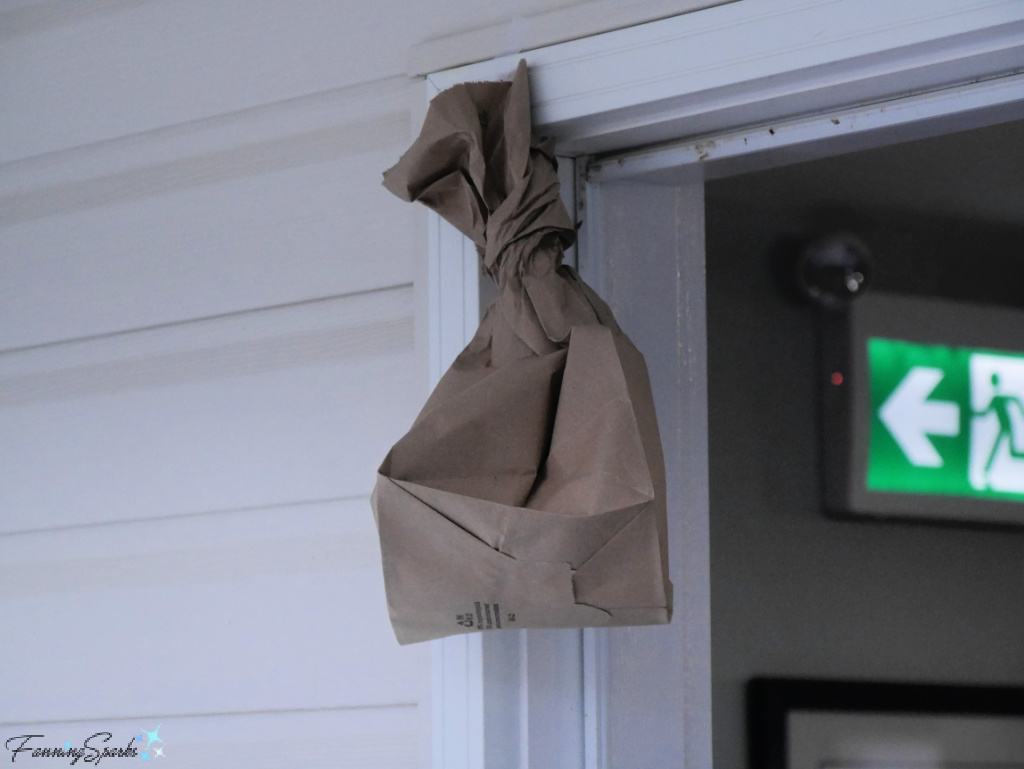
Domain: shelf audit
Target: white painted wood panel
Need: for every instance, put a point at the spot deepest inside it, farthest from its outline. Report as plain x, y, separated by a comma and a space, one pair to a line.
644, 251
277, 608
204, 235
551, 706
358, 738
272, 407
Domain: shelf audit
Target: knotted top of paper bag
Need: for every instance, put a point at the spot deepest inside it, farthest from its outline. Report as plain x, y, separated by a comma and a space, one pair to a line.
475, 164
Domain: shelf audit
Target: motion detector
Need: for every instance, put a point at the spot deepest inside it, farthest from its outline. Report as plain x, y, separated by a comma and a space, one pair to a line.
833, 270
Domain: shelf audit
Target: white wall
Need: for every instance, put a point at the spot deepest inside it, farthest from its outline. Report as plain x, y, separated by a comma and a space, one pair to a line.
211, 330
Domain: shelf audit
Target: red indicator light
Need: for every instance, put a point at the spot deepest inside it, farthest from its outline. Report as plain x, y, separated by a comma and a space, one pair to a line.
837, 378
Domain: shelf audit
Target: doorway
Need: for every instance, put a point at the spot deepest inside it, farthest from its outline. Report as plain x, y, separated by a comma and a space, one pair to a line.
793, 592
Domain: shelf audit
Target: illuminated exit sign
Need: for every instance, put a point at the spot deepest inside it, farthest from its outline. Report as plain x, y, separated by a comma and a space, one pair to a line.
945, 420
922, 410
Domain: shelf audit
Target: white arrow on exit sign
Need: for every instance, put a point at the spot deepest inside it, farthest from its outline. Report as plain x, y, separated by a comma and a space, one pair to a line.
911, 417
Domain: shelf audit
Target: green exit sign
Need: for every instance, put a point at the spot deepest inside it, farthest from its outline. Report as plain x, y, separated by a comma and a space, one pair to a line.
945, 420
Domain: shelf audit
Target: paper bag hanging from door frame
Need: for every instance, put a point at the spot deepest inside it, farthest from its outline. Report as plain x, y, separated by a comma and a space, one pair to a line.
530, 490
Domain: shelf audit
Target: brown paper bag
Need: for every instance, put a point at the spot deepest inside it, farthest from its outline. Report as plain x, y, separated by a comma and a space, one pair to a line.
530, 491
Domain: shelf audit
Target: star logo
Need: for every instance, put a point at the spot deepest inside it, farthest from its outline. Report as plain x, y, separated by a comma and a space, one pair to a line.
144, 756
154, 736
67, 746
159, 752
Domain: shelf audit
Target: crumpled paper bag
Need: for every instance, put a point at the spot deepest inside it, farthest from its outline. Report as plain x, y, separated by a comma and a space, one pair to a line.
530, 490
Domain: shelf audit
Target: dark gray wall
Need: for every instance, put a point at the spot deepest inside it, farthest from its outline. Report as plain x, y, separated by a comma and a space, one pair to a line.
794, 593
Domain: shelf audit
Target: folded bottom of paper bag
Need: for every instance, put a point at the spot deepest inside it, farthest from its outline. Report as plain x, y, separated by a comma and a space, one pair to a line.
442, 580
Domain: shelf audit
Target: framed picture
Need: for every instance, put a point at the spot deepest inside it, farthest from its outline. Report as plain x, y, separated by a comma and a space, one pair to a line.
819, 724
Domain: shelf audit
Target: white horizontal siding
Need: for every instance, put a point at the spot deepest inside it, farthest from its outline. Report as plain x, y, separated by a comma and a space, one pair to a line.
381, 738
188, 255
78, 72
555, 25
280, 608
228, 215
206, 348
149, 65
282, 405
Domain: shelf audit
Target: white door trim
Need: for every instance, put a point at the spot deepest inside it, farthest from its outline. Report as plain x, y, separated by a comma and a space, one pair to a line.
815, 136
755, 61
484, 710
706, 74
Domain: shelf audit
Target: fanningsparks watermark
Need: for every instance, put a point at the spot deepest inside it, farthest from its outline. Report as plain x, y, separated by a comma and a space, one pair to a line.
144, 746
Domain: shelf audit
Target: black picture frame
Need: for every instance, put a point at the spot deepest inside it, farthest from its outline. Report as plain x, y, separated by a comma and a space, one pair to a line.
770, 701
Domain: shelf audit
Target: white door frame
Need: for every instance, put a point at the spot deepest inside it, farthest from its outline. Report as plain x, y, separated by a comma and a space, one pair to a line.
734, 87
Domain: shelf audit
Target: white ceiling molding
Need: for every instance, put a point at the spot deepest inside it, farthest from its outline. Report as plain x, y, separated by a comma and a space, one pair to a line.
751, 63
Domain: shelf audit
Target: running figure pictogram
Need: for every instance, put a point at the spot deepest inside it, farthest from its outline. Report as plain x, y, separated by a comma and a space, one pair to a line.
1000, 405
